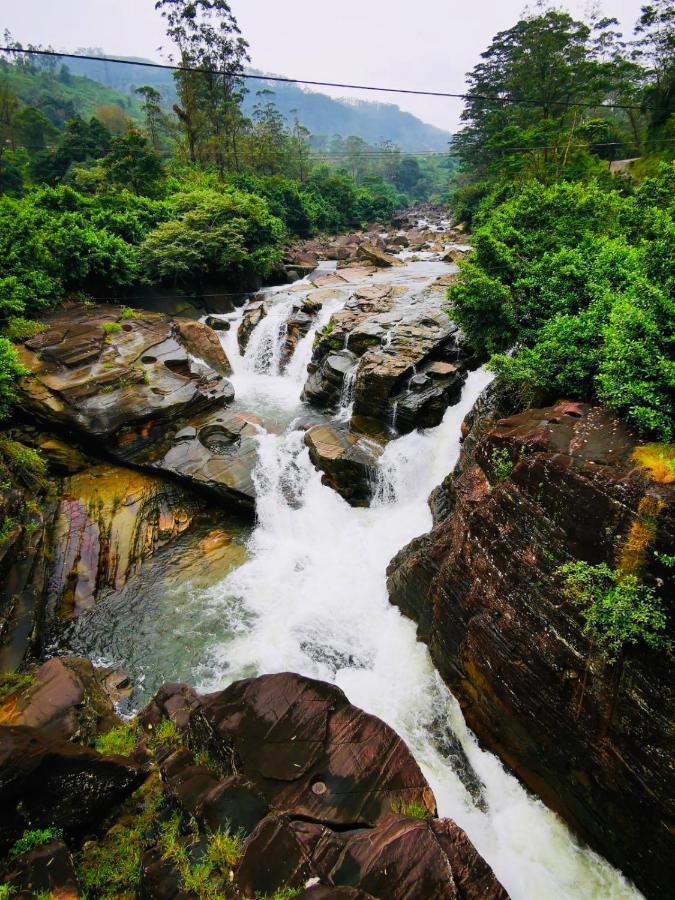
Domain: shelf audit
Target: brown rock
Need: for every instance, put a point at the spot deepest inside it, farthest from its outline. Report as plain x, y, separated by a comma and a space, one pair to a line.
377, 257
50, 783
348, 461
593, 740
307, 751
202, 342
44, 870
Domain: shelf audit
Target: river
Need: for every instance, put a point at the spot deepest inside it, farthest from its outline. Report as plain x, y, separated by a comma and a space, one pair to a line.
311, 598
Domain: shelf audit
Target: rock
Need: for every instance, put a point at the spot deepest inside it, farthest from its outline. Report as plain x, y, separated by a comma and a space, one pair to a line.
202, 342
323, 387
215, 452
160, 879
543, 487
217, 323
455, 252
99, 375
174, 701
297, 326
47, 869
348, 461
376, 256
109, 521
420, 859
64, 699
233, 805
50, 783
412, 359
307, 751
321, 892
253, 315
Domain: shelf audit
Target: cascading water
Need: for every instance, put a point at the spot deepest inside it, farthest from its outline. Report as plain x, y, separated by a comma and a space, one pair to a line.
312, 599
346, 404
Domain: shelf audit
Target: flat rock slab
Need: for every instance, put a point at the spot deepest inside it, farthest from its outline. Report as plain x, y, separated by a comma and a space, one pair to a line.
97, 371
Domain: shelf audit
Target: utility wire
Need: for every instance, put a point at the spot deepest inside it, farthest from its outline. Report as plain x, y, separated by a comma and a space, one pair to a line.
491, 98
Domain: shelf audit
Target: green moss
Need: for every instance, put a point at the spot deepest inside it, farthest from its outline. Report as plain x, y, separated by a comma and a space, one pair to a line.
7, 890
37, 838
25, 463
412, 809
164, 733
120, 741
209, 879
13, 681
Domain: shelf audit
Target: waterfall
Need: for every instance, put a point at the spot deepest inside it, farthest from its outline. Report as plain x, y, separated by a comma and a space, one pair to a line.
263, 351
346, 404
312, 599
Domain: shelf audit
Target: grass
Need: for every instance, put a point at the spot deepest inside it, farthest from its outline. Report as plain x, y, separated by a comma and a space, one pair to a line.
413, 809
119, 741
658, 460
165, 733
7, 890
110, 328
37, 838
209, 879
129, 313
26, 463
13, 681
110, 869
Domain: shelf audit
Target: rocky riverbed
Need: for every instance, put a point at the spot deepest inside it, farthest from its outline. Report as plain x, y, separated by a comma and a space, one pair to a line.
184, 526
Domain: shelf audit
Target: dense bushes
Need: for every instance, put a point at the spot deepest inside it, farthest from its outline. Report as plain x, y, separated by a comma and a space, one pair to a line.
578, 280
226, 234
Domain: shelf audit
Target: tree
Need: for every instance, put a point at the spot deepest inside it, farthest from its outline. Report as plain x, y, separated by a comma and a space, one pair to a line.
654, 48
209, 41
10, 371
152, 110
131, 163
525, 94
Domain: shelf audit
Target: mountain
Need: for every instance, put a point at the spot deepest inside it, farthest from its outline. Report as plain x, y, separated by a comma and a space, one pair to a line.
322, 115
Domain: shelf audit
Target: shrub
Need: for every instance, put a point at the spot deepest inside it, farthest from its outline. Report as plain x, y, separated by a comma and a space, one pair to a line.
617, 610
13, 681
19, 329
225, 234
10, 372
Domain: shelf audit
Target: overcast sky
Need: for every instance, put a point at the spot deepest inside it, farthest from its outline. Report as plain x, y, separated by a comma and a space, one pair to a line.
424, 44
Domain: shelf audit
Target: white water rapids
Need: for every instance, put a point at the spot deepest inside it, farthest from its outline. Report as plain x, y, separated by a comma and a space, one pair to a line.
312, 599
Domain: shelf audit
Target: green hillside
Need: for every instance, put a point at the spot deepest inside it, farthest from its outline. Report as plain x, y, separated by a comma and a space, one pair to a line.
59, 93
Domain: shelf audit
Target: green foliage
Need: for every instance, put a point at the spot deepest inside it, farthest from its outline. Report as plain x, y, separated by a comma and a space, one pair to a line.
502, 464
165, 733
579, 280
13, 681
11, 371
132, 163
19, 329
119, 741
110, 328
6, 891
32, 839
214, 234
618, 610
413, 809
110, 868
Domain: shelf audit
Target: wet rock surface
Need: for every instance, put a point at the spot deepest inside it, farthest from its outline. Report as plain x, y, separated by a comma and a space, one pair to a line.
410, 359
348, 461
541, 488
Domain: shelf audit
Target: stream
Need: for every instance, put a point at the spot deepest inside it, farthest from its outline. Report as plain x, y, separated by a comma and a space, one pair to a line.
311, 598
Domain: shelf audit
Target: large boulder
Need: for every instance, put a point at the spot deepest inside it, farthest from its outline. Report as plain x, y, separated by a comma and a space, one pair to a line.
46, 870
97, 372
46, 782
348, 461
308, 751
64, 698
411, 358
376, 256
416, 859
541, 488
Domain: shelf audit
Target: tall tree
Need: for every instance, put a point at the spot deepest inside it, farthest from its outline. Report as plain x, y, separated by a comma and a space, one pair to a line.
654, 49
152, 111
212, 55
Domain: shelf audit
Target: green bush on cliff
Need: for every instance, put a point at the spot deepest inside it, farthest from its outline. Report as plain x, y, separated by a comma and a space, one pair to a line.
577, 280
618, 610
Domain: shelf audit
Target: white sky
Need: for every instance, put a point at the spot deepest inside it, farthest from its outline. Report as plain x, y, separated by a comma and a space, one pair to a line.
424, 44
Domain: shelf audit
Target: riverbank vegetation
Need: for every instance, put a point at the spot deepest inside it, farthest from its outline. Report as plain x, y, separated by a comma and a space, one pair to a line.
570, 288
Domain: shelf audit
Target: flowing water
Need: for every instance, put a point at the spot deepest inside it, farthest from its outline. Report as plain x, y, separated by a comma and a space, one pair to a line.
312, 598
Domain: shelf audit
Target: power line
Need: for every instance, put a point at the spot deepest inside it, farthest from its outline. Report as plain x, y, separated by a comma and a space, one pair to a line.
344, 86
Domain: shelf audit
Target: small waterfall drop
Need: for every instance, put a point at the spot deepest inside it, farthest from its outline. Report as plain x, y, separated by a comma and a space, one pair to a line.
346, 404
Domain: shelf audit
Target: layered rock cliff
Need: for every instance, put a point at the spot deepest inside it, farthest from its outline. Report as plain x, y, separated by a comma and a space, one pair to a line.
592, 739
